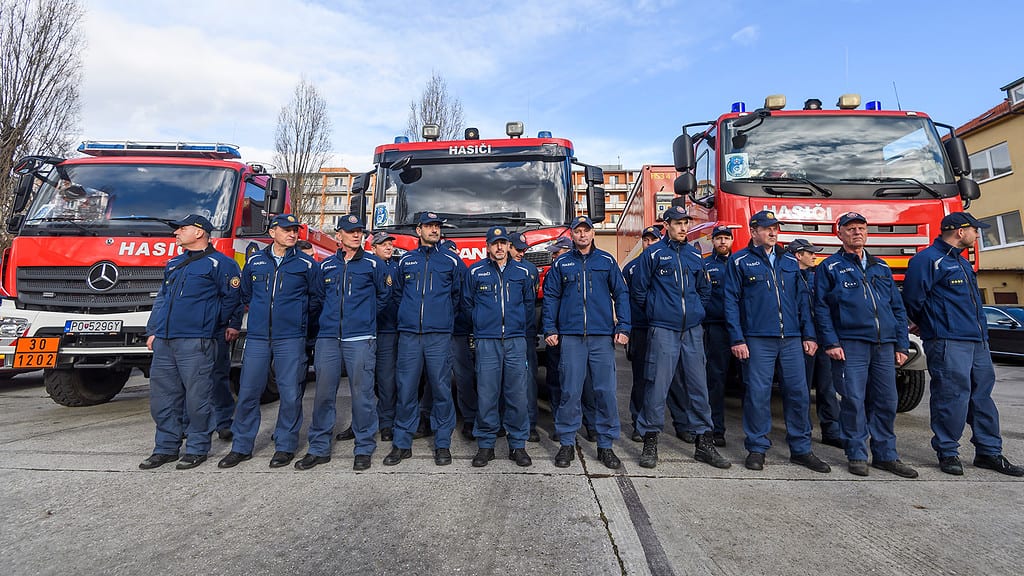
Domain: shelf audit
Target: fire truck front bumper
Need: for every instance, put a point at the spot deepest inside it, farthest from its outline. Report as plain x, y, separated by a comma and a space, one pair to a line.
31, 339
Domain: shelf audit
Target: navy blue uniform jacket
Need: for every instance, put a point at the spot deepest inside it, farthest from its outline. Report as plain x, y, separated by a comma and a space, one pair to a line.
198, 298
764, 301
353, 292
281, 298
670, 285
579, 291
940, 291
428, 287
498, 300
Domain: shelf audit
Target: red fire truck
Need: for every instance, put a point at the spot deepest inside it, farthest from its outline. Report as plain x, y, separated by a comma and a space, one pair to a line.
522, 183
91, 241
811, 165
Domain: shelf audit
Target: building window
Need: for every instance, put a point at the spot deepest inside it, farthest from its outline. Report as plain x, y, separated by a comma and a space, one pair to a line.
1016, 94
991, 163
1003, 230
339, 201
613, 180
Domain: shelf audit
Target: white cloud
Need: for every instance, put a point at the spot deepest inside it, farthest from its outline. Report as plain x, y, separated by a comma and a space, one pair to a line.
746, 35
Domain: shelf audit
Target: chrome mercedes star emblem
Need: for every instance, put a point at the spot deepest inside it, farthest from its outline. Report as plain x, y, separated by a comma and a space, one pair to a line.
102, 276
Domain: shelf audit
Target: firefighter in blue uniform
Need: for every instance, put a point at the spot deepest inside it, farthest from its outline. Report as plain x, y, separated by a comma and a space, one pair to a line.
671, 286
387, 340
769, 321
517, 252
199, 294
428, 288
941, 294
279, 285
354, 289
716, 336
638, 333
862, 325
586, 311
497, 295
818, 368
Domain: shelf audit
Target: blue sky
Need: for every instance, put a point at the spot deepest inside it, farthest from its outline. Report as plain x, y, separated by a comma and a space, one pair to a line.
617, 78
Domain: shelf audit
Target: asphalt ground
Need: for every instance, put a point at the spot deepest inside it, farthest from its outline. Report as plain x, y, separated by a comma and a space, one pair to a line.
75, 502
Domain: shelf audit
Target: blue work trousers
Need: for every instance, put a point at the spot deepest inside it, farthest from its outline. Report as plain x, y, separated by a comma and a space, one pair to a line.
464, 373
867, 381
358, 359
554, 383
758, 373
719, 360
387, 393
501, 375
531, 378
675, 353
638, 364
819, 377
431, 353
962, 378
220, 393
287, 356
583, 357
179, 385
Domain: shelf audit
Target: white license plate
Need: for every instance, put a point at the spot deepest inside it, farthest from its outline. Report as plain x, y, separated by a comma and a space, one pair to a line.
92, 326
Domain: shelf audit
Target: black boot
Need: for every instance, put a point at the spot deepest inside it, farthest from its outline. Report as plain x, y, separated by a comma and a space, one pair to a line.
706, 452
649, 455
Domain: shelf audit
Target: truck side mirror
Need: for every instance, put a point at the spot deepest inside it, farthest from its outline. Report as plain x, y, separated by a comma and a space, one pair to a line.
595, 202
682, 153
277, 196
360, 183
357, 205
969, 190
14, 223
958, 158
685, 184
22, 192
593, 175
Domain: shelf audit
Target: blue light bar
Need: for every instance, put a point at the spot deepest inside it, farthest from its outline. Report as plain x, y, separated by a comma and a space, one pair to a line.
543, 134
179, 149
739, 107
401, 139
873, 105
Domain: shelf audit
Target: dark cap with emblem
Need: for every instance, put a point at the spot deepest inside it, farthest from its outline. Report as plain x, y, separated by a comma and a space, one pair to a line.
192, 220
382, 237
675, 213
562, 243
519, 241
763, 219
496, 233
961, 220
581, 221
721, 231
430, 217
801, 245
652, 231
284, 221
851, 217
350, 223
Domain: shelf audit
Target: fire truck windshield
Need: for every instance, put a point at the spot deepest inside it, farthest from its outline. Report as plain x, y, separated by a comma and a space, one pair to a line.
78, 197
476, 193
859, 151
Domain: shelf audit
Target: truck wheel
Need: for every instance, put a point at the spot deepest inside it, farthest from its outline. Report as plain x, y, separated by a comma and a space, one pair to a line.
85, 387
909, 389
270, 393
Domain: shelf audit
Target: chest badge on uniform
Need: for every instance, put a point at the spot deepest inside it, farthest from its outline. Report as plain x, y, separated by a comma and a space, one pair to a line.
387, 279
235, 282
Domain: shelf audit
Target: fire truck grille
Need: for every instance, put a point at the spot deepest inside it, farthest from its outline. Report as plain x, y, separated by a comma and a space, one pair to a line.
538, 259
65, 289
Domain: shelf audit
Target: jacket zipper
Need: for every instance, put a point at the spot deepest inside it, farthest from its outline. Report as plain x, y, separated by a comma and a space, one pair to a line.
423, 285
583, 287
778, 297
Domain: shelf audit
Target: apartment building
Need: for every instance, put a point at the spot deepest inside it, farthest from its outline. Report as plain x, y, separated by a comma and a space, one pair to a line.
995, 141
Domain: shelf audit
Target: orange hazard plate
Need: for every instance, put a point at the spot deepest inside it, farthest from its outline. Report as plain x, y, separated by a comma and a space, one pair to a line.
36, 352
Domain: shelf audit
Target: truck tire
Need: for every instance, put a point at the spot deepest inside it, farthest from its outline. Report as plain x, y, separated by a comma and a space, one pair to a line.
270, 393
84, 387
909, 389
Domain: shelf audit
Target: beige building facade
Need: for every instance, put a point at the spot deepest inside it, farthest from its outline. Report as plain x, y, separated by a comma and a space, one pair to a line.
995, 142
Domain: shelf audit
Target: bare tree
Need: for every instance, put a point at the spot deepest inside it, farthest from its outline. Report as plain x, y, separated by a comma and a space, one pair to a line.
40, 71
436, 106
303, 144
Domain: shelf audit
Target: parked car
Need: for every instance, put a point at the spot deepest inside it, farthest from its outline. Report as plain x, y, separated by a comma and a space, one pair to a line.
1005, 330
